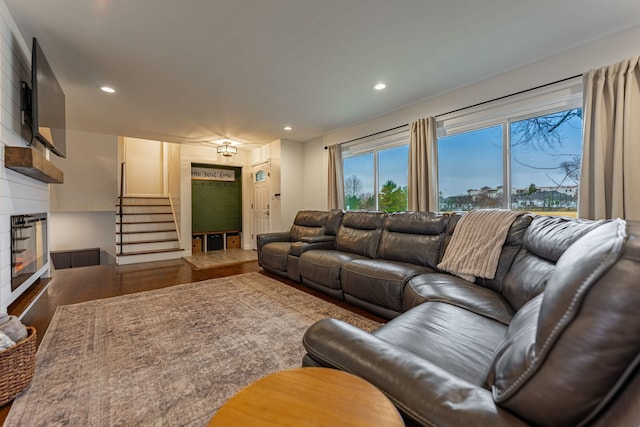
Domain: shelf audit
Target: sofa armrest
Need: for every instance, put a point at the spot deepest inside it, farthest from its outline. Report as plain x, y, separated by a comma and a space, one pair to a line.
307, 244
319, 239
263, 239
421, 390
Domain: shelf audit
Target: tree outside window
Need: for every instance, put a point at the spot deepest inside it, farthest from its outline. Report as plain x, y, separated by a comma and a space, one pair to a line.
389, 168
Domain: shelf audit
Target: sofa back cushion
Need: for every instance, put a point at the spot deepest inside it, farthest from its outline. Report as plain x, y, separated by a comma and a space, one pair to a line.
568, 350
543, 242
334, 219
308, 223
413, 237
359, 232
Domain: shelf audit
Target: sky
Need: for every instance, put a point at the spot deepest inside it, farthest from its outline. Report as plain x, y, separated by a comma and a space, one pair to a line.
474, 159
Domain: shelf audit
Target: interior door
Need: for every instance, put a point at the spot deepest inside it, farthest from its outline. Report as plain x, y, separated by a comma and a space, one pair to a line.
260, 207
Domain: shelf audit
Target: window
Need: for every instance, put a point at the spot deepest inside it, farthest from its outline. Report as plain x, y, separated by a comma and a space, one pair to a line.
376, 172
470, 170
545, 162
359, 182
529, 145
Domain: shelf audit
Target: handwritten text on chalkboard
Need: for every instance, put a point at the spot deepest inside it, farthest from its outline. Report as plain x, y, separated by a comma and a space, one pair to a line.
210, 174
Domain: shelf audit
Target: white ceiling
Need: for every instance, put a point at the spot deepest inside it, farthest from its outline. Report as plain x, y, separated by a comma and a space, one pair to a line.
199, 70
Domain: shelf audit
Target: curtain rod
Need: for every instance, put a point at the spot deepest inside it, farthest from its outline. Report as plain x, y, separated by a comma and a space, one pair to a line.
367, 136
511, 94
464, 108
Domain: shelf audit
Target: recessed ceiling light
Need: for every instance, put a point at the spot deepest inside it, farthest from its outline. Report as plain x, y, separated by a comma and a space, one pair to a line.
379, 86
107, 89
288, 128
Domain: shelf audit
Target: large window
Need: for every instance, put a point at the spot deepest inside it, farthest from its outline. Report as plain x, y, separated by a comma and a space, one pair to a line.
377, 178
522, 155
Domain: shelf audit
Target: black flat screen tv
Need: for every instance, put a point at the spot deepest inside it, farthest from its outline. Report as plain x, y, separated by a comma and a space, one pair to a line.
45, 109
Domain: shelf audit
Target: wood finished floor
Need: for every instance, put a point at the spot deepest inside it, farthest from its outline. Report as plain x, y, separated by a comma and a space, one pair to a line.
77, 285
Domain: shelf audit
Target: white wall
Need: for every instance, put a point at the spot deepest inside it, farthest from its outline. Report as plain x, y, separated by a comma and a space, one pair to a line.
84, 230
19, 194
291, 181
570, 63
144, 167
315, 163
83, 207
173, 186
90, 174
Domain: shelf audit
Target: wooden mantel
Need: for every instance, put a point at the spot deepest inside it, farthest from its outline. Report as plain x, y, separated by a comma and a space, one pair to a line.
32, 163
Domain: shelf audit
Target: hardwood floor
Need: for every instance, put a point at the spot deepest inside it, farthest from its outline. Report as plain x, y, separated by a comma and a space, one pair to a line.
77, 285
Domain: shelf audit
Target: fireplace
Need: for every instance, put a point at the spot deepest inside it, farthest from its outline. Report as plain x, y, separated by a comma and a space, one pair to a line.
29, 250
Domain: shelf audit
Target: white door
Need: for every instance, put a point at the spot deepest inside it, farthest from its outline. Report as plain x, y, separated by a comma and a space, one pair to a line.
260, 206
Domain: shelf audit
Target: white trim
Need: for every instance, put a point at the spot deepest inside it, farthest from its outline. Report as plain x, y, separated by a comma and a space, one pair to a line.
378, 142
562, 96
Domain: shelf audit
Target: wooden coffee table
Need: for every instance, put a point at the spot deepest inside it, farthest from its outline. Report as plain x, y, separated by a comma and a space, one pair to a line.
308, 397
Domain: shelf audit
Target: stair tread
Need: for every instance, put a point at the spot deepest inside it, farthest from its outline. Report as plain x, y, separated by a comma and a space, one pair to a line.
146, 197
168, 230
144, 213
143, 222
144, 206
157, 251
137, 242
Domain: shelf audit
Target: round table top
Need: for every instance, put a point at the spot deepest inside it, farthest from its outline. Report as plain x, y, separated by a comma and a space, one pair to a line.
308, 397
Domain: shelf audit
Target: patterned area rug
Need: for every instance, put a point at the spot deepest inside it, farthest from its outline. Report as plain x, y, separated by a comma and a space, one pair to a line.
167, 357
203, 260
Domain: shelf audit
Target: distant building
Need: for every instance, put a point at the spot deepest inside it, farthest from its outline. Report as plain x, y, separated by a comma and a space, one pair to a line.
563, 197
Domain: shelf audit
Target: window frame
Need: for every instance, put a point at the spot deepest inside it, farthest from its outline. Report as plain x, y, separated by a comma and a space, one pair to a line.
549, 99
373, 144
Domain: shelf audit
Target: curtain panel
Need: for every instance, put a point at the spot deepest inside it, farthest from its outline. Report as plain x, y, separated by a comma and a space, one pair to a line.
336, 180
610, 175
423, 166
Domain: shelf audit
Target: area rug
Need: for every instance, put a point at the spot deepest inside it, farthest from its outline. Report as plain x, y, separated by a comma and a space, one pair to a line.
204, 260
168, 357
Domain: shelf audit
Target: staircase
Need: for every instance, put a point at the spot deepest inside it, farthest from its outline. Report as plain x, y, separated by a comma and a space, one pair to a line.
146, 230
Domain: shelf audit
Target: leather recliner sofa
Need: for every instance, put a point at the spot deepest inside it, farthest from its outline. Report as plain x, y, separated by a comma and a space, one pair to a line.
553, 340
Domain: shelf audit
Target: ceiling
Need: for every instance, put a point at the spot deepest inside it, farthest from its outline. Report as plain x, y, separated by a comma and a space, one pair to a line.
201, 70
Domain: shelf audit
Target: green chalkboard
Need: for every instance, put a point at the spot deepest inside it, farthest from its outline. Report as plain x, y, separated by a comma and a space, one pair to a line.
216, 205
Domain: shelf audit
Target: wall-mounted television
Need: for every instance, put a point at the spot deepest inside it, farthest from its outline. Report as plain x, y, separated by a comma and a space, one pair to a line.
43, 105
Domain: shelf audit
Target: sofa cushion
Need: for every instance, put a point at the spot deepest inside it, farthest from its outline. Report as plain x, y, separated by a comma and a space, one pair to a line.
441, 287
568, 350
323, 267
359, 232
450, 337
378, 282
543, 243
413, 237
274, 255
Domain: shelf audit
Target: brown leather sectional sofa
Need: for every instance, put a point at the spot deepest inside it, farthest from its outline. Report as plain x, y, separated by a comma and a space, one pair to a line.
552, 340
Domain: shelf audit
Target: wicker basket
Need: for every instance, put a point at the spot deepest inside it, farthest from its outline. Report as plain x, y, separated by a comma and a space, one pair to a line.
16, 367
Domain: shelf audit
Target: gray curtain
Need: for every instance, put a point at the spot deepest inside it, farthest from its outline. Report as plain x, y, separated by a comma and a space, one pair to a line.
336, 180
423, 166
610, 174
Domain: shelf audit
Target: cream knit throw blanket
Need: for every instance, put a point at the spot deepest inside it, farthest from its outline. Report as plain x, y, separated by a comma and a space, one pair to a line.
476, 244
